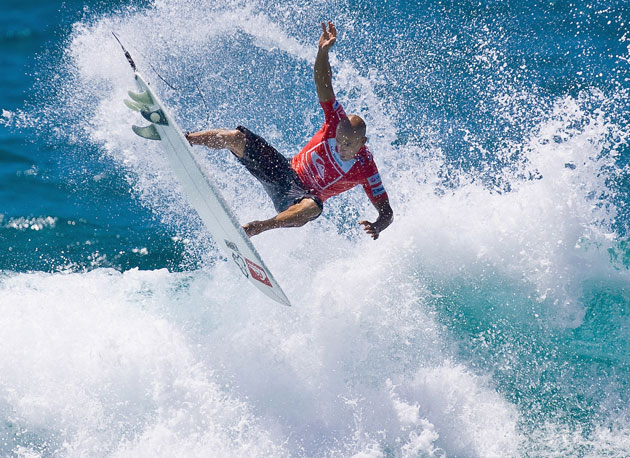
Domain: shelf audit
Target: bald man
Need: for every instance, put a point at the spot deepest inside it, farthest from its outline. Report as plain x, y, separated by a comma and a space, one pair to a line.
334, 161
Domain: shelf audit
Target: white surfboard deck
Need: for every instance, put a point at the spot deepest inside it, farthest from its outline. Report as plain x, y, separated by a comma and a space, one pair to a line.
202, 195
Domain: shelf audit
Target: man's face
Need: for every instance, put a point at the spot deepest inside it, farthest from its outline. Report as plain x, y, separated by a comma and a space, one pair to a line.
349, 141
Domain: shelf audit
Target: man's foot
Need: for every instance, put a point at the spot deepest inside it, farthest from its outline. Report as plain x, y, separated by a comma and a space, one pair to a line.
253, 228
233, 140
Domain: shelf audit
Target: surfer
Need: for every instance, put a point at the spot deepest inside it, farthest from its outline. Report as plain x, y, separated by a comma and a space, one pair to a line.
335, 160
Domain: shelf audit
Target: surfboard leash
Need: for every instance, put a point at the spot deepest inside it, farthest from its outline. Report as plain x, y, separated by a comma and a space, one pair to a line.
133, 66
127, 55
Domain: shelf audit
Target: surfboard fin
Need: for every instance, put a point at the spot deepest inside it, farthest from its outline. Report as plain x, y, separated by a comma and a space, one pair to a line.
148, 132
135, 106
141, 97
156, 116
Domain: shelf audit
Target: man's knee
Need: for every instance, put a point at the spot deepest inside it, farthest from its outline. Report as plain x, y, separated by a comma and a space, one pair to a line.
310, 208
235, 141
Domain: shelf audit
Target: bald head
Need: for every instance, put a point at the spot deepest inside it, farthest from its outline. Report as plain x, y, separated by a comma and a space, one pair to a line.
352, 125
350, 136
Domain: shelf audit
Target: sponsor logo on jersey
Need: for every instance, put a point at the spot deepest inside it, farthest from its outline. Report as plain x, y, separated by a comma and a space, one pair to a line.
374, 179
377, 191
319, 164
258, 273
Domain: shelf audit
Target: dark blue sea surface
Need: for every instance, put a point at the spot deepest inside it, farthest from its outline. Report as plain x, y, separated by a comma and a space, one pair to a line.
491, 319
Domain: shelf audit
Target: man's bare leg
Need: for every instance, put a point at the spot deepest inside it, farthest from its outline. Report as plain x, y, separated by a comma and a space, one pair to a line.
295, 216
234, 140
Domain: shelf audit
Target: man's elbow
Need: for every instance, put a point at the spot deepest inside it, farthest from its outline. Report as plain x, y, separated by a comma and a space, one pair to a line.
386, 211
322, 77
386, 215
323, 84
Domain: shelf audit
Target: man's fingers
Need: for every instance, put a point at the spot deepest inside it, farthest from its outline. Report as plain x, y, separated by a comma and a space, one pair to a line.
331, 32
372, 233
367, 226
369, 229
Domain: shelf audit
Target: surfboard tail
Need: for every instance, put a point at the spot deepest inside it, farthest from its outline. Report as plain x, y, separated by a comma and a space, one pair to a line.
149, 132
135, 106
143, 98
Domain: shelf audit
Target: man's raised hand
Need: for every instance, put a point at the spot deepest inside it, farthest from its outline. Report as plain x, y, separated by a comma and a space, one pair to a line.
328, 37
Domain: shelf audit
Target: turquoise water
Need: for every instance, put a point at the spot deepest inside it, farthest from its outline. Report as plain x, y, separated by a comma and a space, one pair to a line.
492, 318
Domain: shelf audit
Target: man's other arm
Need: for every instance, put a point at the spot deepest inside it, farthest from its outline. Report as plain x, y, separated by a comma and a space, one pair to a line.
321, 70
385, 218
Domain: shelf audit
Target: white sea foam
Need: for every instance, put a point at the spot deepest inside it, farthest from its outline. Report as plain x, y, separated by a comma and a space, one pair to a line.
141, 363
91, 367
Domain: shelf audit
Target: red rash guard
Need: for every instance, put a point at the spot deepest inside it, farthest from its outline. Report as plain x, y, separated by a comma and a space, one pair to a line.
321, 169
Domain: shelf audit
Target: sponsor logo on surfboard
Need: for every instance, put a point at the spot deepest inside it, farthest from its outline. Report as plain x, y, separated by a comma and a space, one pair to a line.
258, 273
231, 246
238, 260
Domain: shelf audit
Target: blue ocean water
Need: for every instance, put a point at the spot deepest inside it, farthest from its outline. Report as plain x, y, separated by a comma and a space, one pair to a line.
492, 318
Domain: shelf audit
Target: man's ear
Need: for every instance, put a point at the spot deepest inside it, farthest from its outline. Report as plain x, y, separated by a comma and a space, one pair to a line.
364, 140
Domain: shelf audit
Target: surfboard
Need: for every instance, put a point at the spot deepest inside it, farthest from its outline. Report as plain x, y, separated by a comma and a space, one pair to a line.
201, 193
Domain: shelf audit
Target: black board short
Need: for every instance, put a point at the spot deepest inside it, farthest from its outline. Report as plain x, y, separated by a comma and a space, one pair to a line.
274, 172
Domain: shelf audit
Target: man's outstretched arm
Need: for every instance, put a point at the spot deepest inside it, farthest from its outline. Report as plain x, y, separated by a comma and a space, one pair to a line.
322, 71
385, 218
